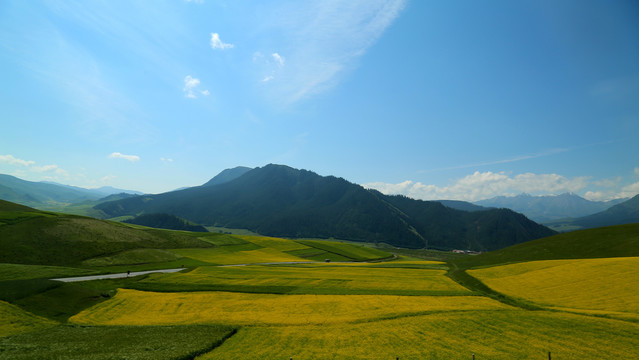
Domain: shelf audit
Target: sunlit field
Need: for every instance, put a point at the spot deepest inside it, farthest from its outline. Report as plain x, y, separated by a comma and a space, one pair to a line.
602, 286
240, 254
321, 279
495, 335
132, 307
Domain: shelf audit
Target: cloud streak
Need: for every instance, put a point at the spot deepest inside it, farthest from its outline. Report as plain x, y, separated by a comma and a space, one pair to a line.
325, 39
11, 160
131, 158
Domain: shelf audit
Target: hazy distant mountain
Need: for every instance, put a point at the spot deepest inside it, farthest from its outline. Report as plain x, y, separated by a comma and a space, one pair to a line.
548, 208
35, 194
51, 195
278, 200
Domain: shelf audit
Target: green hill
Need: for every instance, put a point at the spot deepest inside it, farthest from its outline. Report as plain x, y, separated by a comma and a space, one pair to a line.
277, 200
28, 236
604, 242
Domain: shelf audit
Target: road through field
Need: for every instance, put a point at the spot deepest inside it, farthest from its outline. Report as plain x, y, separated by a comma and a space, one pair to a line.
116, 276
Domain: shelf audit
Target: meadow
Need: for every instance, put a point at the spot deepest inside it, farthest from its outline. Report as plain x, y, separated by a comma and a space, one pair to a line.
247, 296
605, 286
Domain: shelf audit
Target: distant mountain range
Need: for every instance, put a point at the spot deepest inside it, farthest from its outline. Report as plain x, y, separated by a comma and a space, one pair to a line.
44, 194
278, 200
545, 209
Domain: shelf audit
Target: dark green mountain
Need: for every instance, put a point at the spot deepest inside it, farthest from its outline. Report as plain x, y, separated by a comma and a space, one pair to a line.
462, 205
228, 175
165, 221
277, 200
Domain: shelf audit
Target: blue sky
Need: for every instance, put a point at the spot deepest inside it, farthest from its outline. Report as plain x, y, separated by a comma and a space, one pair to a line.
432, 99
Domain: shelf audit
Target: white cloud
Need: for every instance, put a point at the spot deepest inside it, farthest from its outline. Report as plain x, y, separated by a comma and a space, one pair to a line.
131, 158
483, 185
278, 59
268, 78
190, 88
216, 43
11, 160
166, 160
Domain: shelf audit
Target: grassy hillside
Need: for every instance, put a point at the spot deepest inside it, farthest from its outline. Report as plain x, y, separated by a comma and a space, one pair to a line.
611, 241
43, 238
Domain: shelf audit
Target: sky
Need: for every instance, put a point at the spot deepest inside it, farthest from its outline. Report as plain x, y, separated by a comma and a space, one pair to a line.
454, 99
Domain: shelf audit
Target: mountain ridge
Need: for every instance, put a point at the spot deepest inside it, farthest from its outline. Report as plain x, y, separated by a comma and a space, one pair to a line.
278, 200
548, 208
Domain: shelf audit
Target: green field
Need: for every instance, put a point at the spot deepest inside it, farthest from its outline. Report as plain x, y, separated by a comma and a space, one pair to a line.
573, 295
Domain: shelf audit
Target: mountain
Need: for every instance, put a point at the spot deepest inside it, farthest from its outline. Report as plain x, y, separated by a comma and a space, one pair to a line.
626, 212
548, 208
228, 175
35, 194
49, 194
277, 200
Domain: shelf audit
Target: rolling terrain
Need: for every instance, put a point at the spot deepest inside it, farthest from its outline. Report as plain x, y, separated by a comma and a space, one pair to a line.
269, 297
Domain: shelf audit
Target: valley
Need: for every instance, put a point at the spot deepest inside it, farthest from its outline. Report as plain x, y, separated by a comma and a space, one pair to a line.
572, 295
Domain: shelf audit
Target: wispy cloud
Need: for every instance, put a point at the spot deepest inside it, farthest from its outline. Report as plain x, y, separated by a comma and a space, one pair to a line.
11, 160
502, 161
31, 166
483, 185
217, 44
131, 158
325, 39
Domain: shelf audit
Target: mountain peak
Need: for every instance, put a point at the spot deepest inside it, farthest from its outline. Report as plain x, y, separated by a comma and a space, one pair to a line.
228, 175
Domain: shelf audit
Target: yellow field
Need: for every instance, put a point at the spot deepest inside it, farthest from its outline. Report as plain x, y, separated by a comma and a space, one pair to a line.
495, 335
603, 286
132, 307
223, 256
322, 276
14, 320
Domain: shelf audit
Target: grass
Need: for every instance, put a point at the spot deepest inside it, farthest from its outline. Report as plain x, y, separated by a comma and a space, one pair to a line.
14, 320
115, 342
312, 279
237, 254
24, 272
605, 242
607, 285
352, 252
135, 256
491, 334
132, 307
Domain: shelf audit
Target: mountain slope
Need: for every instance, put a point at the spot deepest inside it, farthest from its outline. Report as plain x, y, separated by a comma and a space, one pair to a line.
281, 201
603, 242
548, 208
29, 236
228, 175
624, 213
